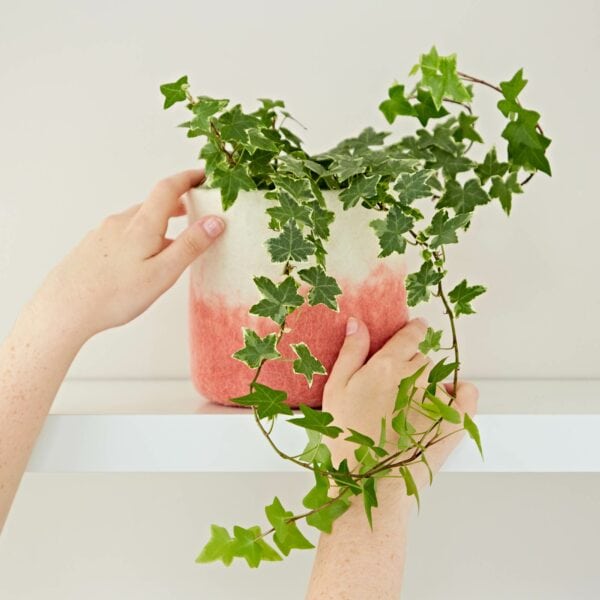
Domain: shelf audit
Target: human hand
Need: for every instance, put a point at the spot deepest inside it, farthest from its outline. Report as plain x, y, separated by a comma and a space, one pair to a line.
359, 394
120, 268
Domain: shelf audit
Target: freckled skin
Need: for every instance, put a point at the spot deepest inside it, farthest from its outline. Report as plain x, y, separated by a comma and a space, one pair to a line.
379, 301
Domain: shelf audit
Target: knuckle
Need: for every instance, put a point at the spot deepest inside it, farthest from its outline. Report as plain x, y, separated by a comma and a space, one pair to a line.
110, 221
386, 366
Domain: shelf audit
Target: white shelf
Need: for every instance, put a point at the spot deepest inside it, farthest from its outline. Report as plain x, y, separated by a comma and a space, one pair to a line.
163, 426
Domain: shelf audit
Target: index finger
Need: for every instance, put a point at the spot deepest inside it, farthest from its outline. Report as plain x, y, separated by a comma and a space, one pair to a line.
163, 201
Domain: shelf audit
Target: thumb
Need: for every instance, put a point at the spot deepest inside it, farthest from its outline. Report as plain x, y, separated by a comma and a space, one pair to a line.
352, 355
190, 244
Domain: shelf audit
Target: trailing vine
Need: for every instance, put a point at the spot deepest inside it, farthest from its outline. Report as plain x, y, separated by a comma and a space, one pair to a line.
255, 150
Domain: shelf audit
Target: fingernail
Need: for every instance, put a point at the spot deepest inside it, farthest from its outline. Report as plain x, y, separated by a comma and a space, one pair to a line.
213, 226
351, 326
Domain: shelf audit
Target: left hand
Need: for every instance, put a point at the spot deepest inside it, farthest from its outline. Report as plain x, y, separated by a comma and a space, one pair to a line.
120, 268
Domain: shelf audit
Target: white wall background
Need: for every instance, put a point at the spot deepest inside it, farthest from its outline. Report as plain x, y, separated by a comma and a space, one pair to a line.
82, 133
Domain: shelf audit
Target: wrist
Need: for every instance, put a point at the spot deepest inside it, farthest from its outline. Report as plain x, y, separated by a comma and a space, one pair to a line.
56, 323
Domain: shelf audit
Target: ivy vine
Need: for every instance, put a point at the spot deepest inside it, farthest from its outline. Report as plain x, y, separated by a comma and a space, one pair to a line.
258, 150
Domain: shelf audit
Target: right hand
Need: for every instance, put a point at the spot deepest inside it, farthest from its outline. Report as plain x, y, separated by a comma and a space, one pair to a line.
359, 394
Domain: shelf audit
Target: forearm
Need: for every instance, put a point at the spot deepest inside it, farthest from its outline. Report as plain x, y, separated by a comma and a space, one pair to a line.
34, 360
354, 562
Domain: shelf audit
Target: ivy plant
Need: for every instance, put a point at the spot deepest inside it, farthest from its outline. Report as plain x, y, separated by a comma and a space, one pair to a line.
435, 166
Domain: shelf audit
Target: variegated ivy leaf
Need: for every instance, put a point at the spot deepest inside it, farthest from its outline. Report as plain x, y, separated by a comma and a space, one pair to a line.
443, 229
290, 245
361, 187
174, 92
412, 186
256, 349
432, 341
278, 299
289, 210
324, 288
267, 401
306, 364
462, 296
419, 284
391, 230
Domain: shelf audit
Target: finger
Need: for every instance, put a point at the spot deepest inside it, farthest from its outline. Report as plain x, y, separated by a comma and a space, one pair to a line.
190, 244
466, 398
131, 211
352, 354
404, 344
164, 200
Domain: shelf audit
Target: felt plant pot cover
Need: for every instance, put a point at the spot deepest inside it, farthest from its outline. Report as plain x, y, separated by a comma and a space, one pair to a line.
222, 291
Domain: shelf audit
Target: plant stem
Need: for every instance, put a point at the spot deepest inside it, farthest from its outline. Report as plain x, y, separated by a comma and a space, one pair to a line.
217, 134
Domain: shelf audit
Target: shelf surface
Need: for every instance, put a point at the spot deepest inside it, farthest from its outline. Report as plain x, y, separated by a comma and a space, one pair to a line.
165, 426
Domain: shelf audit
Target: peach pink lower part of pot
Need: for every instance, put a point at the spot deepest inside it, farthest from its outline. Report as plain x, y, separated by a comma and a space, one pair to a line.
216, 333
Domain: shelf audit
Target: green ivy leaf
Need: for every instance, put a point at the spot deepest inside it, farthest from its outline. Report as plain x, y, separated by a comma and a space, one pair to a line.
462, 296
323, 519
473, 431
257, 139
463, 199
267, 401
291, 164
418, 284
299, 189
503, 189
466, 128
440, 77
406, 389
360, 438
278, 300
287, 536
490, 167
441, 138
321, 219
443, 229
432, 341
174, 92
369, 498
411, 486
256, 349
220, 546
369, 137
316, 451
289, 210
450, 164
345, 166
231, 181
317, 421
412, 186
526, 143
391, 230
441, 371
290, 245
249, 545
445, 411
234, 125
306, 364
324, 288
397, 104
363, 186
426, 109
317, 498
204, 109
